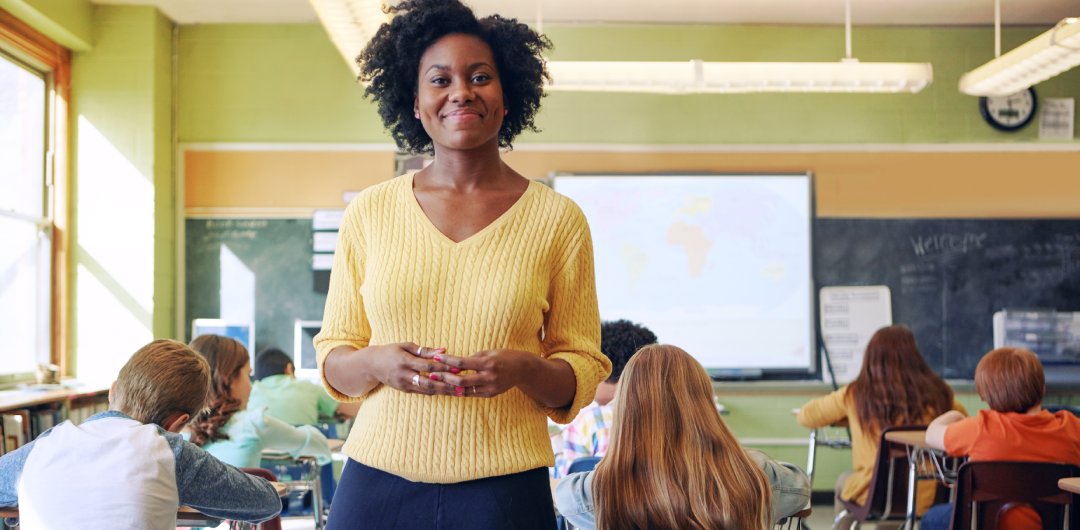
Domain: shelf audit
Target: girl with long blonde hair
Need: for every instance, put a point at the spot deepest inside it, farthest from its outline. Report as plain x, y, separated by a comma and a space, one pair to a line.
673, 463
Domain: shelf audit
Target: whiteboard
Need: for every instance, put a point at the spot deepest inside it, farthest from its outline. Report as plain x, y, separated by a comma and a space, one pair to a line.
719, 265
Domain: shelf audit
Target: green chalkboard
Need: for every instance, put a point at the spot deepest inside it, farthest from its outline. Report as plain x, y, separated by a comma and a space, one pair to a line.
259, 264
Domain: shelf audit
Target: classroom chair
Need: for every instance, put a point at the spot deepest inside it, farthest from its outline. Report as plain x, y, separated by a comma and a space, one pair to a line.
302, 478
887, 497
579, 465
796, 521
985, 490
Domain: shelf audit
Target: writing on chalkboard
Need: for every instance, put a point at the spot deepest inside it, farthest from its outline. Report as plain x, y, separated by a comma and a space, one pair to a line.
938, 243
949, 276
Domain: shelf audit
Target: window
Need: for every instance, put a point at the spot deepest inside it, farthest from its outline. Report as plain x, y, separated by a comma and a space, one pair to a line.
33, 95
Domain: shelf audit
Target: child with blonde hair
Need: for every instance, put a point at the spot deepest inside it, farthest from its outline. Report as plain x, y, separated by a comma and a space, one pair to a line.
673, 463
127, 468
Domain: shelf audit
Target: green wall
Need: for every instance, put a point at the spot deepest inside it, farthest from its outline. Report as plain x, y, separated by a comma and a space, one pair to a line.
123, 237
286, 83
68, 22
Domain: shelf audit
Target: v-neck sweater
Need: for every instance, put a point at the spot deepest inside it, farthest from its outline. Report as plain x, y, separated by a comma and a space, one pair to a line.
524, 282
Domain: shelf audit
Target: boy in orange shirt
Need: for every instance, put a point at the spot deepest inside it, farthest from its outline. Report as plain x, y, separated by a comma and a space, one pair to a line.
1016, 428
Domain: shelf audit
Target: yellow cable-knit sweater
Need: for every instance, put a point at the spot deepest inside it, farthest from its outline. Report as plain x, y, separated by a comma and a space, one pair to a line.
524, 282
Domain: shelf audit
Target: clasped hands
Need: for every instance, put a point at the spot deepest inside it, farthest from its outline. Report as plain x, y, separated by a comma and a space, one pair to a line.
424, 370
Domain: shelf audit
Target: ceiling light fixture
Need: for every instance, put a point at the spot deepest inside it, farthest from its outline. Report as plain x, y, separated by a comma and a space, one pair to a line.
1029, 64
350, 24
701, 77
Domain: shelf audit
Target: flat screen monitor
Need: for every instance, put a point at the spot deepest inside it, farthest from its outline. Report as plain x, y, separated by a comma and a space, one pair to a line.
241, 331
304, 332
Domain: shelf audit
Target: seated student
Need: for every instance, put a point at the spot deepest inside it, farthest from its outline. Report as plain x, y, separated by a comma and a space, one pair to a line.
234, 433
673, 462
1015, 428
587, 435
895, 386
289, 399
127, 468
295, 401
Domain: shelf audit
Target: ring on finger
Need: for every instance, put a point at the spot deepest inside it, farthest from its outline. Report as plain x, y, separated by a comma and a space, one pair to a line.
420, 351
473, 390
416, 380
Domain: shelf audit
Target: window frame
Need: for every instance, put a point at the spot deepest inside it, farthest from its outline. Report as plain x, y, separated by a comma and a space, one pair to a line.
33, 49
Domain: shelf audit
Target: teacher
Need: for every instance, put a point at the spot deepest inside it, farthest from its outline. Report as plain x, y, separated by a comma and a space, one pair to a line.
462, 304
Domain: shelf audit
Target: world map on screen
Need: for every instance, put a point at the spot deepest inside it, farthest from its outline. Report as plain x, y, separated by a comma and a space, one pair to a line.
719, 266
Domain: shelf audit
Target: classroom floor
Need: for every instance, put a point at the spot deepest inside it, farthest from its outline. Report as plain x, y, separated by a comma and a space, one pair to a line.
820, 520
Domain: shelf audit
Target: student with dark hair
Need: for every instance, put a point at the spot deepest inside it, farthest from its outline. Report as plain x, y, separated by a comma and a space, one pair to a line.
291, 400
127, 468
1015, 428
895, 386
231, 430
462, 303
588, 434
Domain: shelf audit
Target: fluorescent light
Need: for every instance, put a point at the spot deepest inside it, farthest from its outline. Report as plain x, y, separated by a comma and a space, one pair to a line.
350, 24
698, 77
1029, 64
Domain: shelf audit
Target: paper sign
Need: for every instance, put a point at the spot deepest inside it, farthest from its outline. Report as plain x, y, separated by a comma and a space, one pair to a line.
1056, 119
849, 317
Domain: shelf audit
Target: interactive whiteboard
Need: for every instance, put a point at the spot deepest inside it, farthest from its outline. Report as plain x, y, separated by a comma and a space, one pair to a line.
719, 265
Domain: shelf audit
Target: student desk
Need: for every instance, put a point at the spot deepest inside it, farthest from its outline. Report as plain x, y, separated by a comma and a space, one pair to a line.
1071, 485
920, 454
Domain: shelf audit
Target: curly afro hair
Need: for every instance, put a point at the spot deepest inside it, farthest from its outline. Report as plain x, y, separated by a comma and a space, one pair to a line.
390, 63
619, 340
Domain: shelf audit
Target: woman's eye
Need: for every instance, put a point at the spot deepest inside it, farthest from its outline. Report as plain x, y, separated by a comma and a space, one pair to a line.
481, 78
438, 80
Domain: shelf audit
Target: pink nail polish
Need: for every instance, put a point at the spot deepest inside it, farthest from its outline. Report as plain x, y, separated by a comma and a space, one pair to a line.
433, 377
459, 390
454, 369
437, 357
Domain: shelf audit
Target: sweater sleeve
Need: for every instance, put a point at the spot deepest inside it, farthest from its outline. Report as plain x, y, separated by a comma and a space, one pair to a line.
572, 323
345, 321
825, 410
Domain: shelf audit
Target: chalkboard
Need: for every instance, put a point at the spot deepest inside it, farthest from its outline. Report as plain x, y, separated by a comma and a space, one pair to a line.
274, 253
948, 276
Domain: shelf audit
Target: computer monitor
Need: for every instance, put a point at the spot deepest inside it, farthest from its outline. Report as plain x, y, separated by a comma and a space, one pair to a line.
304, 332
241, 331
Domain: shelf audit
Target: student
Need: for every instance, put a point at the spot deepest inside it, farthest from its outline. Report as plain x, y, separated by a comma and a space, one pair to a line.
895, 386
127, 468
289, 399
295, 402
673, 463
587, 435
231, 431
1015, 428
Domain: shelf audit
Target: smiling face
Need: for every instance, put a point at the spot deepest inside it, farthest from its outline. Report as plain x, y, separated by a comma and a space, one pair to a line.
459, 95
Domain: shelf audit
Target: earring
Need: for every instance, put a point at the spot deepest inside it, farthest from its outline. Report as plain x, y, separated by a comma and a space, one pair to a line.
416, 114
506, 111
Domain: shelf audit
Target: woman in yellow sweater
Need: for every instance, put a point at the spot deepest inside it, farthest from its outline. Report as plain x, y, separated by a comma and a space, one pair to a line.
895, 386
462, 308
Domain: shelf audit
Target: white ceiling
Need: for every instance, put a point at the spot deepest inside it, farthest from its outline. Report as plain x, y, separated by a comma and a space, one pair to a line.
871, 12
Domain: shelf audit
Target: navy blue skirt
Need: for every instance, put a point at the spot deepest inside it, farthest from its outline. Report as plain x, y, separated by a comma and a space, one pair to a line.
369, 498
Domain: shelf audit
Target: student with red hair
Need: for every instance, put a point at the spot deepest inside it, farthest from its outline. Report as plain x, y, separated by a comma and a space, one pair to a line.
1015, 428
